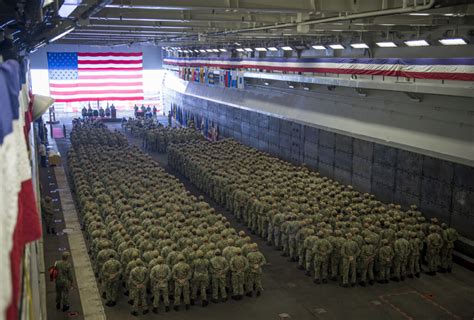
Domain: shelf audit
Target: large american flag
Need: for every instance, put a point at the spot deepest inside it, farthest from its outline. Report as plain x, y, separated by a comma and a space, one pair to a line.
92, 76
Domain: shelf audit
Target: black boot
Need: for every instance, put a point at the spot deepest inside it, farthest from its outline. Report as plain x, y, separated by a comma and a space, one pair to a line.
48, 231
204, 303
371, 282
167, 308
53, 231
317, 281
145, 311
187, 307
225, 299
362, 283
249, 294
134, 313
155, 310
215, 300
130, 302
65, 308
300, 268
126, 293
417, 274
176, 308
108, 304
449, 270
192, 302
58, 306
104, 295
442, 270
258, 293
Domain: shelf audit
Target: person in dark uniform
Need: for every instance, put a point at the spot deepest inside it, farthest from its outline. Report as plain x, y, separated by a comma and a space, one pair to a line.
107, 112
101, 112
113, 111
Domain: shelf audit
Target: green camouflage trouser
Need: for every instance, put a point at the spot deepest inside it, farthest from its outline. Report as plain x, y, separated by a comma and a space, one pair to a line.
218, 284
238, 283
321, 267
138, 295
181, 289
160, 291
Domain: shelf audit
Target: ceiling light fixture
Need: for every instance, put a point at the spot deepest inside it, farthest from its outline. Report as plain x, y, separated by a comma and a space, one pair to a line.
453, 42
202, 50
209, 50
222, 50
418, 14
417, 43
215, 50
386, 44
319, 47
59, 36
336, 46
272, 49
248, 49
286, 48
260, 49
240, 50
359, 46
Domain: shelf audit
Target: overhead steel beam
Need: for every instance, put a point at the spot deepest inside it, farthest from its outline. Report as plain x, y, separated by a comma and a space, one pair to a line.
165, 24
167, 15
275, 6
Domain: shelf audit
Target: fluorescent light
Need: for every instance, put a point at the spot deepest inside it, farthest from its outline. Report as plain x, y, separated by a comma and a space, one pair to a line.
215, 50
260, 49
386, 44
59, 36
240, 50
336, 46
209, 50
248, 49
286, 48
195, 50
222, 50
359, 46
452, 42
202, 50
319, 47
419, 14
272, 49
417, 43
68, 7
291, 86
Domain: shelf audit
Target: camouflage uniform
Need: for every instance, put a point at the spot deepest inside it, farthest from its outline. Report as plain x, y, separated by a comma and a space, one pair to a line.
218, 269
238, 266
200, 280
63, 281
385, 257
321, 250
402, 251
138, 279
349, 251
110, 273
160, 276
434, 243
182, 273
450, 235
256, 261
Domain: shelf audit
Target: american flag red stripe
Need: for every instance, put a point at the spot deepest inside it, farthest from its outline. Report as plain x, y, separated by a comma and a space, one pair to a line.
93, 84
96, 76
112, 54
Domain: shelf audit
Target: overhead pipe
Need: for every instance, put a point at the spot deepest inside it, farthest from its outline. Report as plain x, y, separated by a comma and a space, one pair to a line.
96, 8
368, 14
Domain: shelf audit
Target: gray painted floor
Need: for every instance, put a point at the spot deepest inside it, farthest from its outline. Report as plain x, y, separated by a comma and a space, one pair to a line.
288, 290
